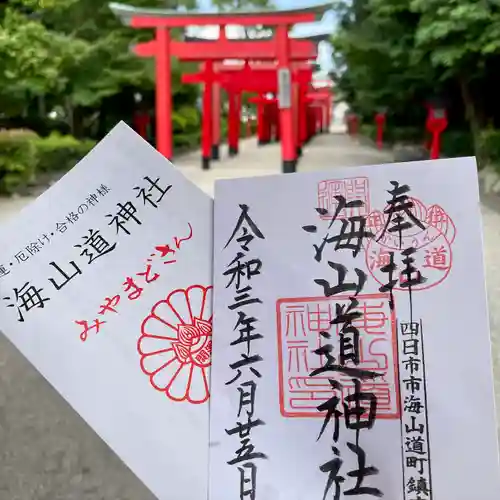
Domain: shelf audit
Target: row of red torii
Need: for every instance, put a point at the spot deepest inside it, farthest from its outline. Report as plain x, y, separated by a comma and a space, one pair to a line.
280, 67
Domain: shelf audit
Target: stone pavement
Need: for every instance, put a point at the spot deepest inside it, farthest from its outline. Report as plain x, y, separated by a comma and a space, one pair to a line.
48, 453
324, 152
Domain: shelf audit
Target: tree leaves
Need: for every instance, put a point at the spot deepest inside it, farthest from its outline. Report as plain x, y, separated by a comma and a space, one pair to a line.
400, 53
75, 53
30, 57
376, 45
456, 34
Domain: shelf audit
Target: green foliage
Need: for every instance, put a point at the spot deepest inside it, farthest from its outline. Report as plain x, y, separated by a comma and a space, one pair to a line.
368, 130
73, 57
244, 129
17, 159
66, 65
401, 54
251, 32
456, 34
183, 141
30, 59
489, 141
394, 135
186, 120
228, 5
374, 58
456, 143
187, 128
24, 155
406, 135
60, 152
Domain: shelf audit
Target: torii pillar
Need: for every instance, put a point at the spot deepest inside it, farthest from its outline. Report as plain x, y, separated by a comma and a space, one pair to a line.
288, 149
263, 119
234, 122
207, 118
216, 103
260, 79
164, 141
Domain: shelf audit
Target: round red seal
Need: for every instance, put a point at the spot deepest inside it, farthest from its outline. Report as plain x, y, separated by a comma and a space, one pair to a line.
176, 344
432, 239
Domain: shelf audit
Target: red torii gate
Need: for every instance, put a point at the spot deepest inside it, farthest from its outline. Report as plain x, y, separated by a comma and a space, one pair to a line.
235, 100
235, 79
279, 49
322, 95
217, 50
210, 76
266, 107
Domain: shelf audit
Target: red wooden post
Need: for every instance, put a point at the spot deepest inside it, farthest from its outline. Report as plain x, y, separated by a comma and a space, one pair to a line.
238, 111
271, 119
302, 105
141, 122
437, 122
233, 129
276, 134
276, 121
288, 153
313, 121
380, 121
296, 119
304, 110
309, 122
268, 117
216, 104
207, 118
352, 124
261, 123
163, 94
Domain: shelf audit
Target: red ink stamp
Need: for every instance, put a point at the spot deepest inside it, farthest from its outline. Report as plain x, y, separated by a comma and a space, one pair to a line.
354, 188
433, 244
176, 344
300, 321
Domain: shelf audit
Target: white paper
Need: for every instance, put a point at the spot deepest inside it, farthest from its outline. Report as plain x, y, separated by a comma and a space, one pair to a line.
121, 379
449, 450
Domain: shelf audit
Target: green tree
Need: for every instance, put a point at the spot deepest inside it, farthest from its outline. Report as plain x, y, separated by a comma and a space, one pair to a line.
30, 60
374, 58
229, 5
400, 53
461, 38
73, 56
251, 32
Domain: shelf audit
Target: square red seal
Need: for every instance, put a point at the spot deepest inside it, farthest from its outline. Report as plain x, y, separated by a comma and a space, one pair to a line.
300, 321
354, 188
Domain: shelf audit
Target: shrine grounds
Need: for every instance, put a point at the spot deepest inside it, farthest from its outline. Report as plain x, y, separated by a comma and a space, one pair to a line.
49, 453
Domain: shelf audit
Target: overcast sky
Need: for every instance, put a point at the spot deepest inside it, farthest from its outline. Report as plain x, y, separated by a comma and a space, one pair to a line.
326, 25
